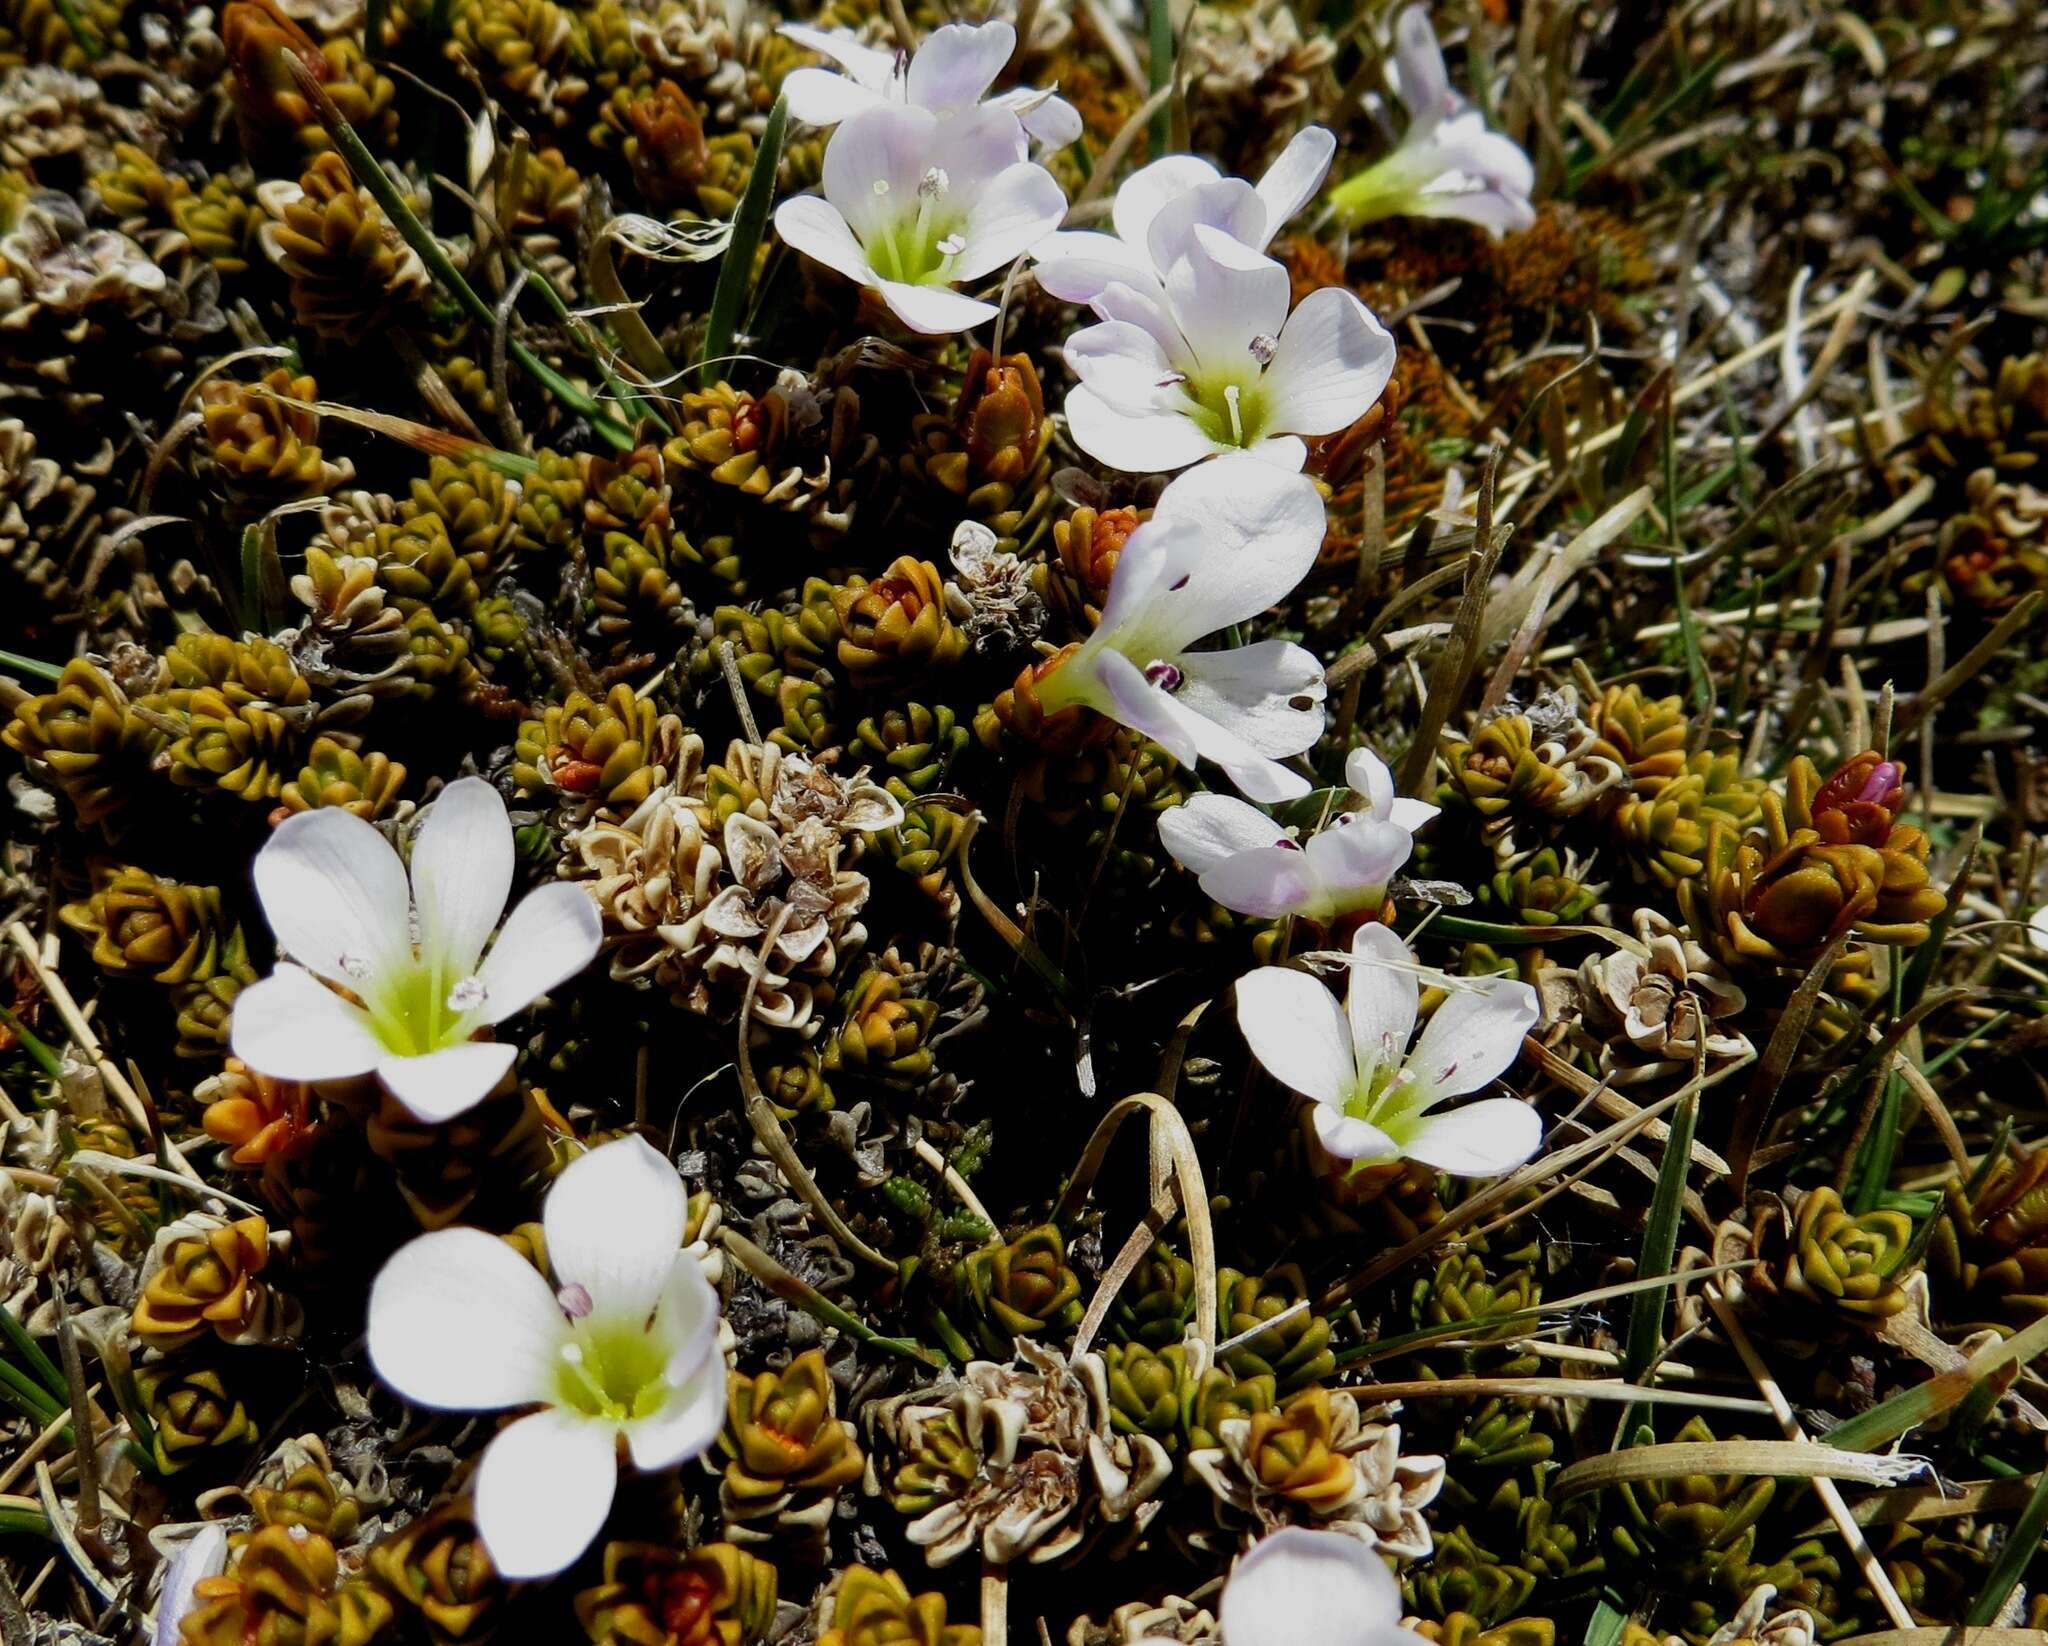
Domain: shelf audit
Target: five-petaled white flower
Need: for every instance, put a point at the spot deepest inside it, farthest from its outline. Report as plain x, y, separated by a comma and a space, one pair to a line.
335, 893
949, 74
1196, 352
1227, 541
916, 202
1249, 863
625, 1352
1447, 163
1296, 1587
1373, 1096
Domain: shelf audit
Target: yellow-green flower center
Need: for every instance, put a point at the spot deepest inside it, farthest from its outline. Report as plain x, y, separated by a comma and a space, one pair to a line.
614, 1370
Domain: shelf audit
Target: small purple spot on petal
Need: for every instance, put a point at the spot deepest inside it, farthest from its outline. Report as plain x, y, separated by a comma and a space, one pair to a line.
1163, 675
575, 1300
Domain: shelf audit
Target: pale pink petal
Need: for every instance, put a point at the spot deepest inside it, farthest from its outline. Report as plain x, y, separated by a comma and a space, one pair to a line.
958, 63
552, 934
1425, 84
1049, 120
335, 894
292, 1027
1011, 212
1229, 209
1075, 266
936, 311
1332, 360
1482, 1139
461, 874
811, 226
1296, 1031
440, 1085
1147, 190
1123, 365
1268, 882
1292, 180
874, 164
1356, 859
868, 66
543, 1491
1153, 443
1229, 301
460, 1320
818, 97
1205, 829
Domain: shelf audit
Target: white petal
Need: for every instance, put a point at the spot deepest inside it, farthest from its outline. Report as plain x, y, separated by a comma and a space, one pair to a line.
334, 892
1012, 212
1177, 728
1425, 85
1292, 180
1349, 1138
1269, 882
1225, 296
460, 1320
202, 1555
553, 934
936, 311
1146, 190
1147, 311
1282, 451
1473, 1037
1229, 209
1372, 781
1303, 1588
818, 97
811, 225
1155, 443
1268, 694
291, 1027
1331, 363
1207, 828
1075, 265
1122, 364
543, 1491
959, 62
441, 1085
869, 67
461, 873
1412, 814
2037, 927
1381, 1000
1296, 1030
1262, 531
614, 1222
874, 163
687, 1423
1052, 122
1482, 1139
1355, 860
974, 148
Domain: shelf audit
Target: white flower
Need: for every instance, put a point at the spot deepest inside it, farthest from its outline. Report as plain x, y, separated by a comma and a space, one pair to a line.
626, 1350
1296, 1587
335, 893
950, 74
203, 1555
1447, 163
1227, 541
915, 202
1373, 1096
2037, 927
1217, 364
1077, 266
1249, 863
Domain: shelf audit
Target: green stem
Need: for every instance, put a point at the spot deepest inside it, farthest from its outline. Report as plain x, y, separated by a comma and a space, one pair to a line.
32, 666
40, 1363
749, 223
1159, 15
416, 235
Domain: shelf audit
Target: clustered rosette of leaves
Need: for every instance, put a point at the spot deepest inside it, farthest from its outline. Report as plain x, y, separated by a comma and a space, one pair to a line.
405, 392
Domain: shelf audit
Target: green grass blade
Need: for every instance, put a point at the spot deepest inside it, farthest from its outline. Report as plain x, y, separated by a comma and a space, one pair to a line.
1660, 1244
2020, 1548
749, 223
